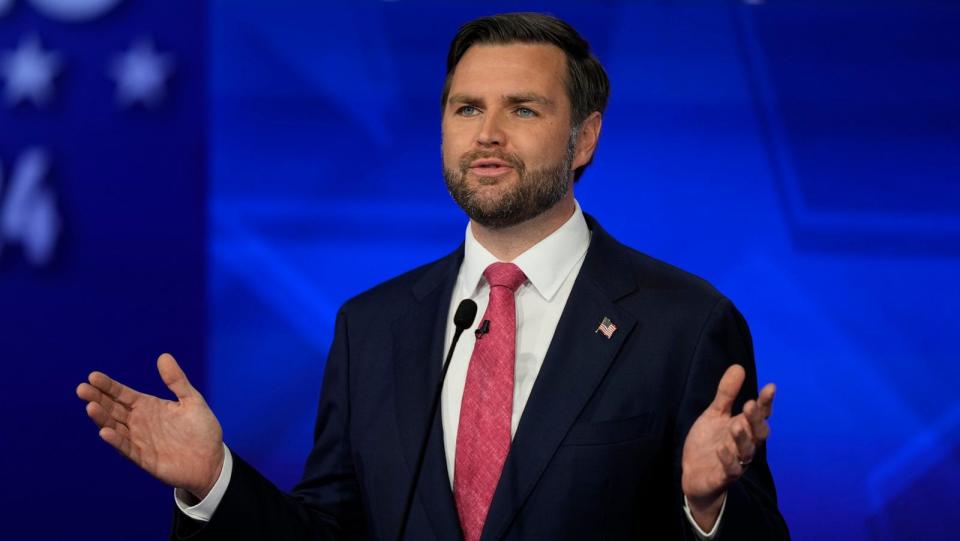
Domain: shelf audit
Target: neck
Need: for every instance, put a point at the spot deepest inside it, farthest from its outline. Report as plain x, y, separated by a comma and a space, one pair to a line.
507, 243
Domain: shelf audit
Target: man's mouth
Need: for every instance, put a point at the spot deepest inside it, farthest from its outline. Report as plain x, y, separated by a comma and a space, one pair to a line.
490, 167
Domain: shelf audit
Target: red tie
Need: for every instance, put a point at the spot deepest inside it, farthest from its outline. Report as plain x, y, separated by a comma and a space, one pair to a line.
483, 435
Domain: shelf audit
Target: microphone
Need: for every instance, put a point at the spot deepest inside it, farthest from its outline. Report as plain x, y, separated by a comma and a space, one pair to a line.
462, 319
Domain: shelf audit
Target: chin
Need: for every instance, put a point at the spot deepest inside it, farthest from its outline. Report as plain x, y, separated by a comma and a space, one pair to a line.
486, 180
490, 203
493, 193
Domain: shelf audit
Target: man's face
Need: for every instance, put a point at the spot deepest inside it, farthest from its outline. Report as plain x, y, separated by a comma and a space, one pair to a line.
507, 142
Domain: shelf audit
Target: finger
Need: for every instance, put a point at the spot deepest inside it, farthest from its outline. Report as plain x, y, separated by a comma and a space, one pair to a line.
104, 420
758, 423
727, 454
173, 377
120, 443
116, 390
743, 438
99, 415
728, 389
741, 425
737, 466
765, 400
753, 413
113, 408
88, 392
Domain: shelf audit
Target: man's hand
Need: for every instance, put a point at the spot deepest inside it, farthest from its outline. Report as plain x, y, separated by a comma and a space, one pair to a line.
180, 443
720, 446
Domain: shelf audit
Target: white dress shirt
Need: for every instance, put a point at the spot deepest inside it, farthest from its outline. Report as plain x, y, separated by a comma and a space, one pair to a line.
551, 267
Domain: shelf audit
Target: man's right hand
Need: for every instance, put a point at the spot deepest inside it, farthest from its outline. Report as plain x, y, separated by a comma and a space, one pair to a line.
179, 442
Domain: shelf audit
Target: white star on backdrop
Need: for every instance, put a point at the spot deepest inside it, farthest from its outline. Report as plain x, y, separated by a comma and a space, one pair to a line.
141, 74
28, 72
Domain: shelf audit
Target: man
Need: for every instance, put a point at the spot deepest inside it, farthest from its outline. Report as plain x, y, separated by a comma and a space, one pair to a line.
597, 399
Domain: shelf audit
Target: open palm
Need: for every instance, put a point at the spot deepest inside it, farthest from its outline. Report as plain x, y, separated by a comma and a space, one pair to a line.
179, 442
720, 445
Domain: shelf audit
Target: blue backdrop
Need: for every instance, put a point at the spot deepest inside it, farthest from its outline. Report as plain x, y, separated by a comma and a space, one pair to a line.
214, 180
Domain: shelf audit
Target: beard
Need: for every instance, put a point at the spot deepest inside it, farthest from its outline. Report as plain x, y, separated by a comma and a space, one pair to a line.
535, 192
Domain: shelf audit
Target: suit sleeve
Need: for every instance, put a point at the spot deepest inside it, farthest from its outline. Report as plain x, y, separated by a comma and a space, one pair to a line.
325, 504
751, 508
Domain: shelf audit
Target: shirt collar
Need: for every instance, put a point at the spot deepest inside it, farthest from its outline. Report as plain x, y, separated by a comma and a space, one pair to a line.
546, 264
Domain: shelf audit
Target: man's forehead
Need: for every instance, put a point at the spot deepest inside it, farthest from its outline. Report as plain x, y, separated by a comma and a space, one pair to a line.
514, 52
510, 69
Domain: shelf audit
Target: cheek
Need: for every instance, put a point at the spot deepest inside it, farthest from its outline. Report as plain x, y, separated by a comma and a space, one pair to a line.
543, 148
449, 155
453, 144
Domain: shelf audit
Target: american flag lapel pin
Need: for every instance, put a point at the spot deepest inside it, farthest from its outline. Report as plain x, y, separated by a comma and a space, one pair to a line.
606, 327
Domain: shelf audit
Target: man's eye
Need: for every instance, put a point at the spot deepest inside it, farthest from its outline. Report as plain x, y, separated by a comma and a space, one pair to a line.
468, 110
525, 112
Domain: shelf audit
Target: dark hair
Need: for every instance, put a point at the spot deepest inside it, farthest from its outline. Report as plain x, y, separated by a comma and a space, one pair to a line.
587, 84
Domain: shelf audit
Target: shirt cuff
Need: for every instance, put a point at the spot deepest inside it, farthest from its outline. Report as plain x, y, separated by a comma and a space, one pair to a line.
704, 536
203, 511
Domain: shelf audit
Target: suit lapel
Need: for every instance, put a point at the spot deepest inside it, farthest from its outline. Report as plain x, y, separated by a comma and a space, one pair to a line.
575, 364
418, 356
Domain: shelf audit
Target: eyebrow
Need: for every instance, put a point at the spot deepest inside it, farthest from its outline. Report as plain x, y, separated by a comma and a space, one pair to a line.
510, 99
527, 97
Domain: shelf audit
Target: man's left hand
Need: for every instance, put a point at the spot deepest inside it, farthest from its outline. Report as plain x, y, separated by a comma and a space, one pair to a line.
720, 446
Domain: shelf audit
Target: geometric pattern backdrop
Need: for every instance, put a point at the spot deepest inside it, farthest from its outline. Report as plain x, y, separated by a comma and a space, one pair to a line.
806, 160
802, 157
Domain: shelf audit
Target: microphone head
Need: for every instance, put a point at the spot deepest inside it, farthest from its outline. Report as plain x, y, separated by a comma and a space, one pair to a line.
465, 314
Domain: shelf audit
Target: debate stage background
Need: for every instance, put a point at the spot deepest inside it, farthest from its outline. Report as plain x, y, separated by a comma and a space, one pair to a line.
804, 157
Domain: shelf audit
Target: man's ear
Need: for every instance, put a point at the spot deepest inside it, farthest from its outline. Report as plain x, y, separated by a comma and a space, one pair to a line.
587, 140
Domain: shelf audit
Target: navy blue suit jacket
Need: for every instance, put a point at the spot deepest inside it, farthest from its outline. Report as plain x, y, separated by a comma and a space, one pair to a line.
597, 451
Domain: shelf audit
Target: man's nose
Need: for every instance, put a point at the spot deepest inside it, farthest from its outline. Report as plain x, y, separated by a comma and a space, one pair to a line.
491, 132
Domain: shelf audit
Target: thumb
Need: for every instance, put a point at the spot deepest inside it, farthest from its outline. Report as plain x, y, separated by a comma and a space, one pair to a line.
173, 376
728, 389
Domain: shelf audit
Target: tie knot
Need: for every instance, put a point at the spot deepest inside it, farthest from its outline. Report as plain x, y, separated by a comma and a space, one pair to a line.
507, 275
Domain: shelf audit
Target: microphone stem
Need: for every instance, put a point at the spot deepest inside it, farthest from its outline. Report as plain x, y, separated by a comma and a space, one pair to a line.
423, 447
